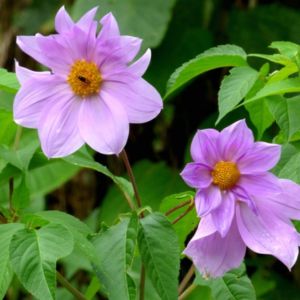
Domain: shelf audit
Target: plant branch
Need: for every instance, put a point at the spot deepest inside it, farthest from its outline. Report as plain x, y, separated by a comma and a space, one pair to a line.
183, 214
186, 279
66, 284
125, 159
177, 207
10, 196
187, 292
142, 282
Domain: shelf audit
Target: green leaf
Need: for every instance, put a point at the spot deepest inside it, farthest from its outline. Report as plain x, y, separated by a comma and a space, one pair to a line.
21, 194
6, 274
286, 114
115, 248
46, 178
34, 254
290, 85
85, 160
283, 73
260, 116
8, 128
234, 285
190, 221
8, 81
158, 245
217, 57
291, 169
286, 48
145, 19
61, 218
92, 288
275, 58
234, 88
287, 151
78, 229
19, 158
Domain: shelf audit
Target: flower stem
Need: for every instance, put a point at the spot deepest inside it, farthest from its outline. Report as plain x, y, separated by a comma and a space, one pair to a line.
183, 214
177, 207
125, 159
187, 292
186, 279
65, 283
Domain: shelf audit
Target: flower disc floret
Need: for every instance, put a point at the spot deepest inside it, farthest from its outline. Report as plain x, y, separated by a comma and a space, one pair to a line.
84, 78
225, 174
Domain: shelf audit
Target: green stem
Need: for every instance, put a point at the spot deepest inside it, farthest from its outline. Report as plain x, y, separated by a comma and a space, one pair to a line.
10, 196
66, 284
17, 138
11, 180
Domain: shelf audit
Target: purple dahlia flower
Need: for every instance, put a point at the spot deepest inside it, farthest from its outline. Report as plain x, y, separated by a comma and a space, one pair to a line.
93, 90
240, 203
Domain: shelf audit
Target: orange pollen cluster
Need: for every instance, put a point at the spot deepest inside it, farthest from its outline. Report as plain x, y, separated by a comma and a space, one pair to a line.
225, 174
84, 78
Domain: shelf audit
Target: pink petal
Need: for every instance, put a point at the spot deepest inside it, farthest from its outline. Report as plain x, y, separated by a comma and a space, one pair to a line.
24, 74
222, 216
34, 95
30, 46
116, 49
267, 234
260, 184
104, 124
206, 227
87, 23
287, 203
62, 50
140, 100
58, 126
140, 66
213, 255
63, 22
57, 56
204, 148
261, 157
196, 175
242, 195
109, 26
207, 200
234, 141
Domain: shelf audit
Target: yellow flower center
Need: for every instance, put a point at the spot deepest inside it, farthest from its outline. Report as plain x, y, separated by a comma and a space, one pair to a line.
225, 174
84, 78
